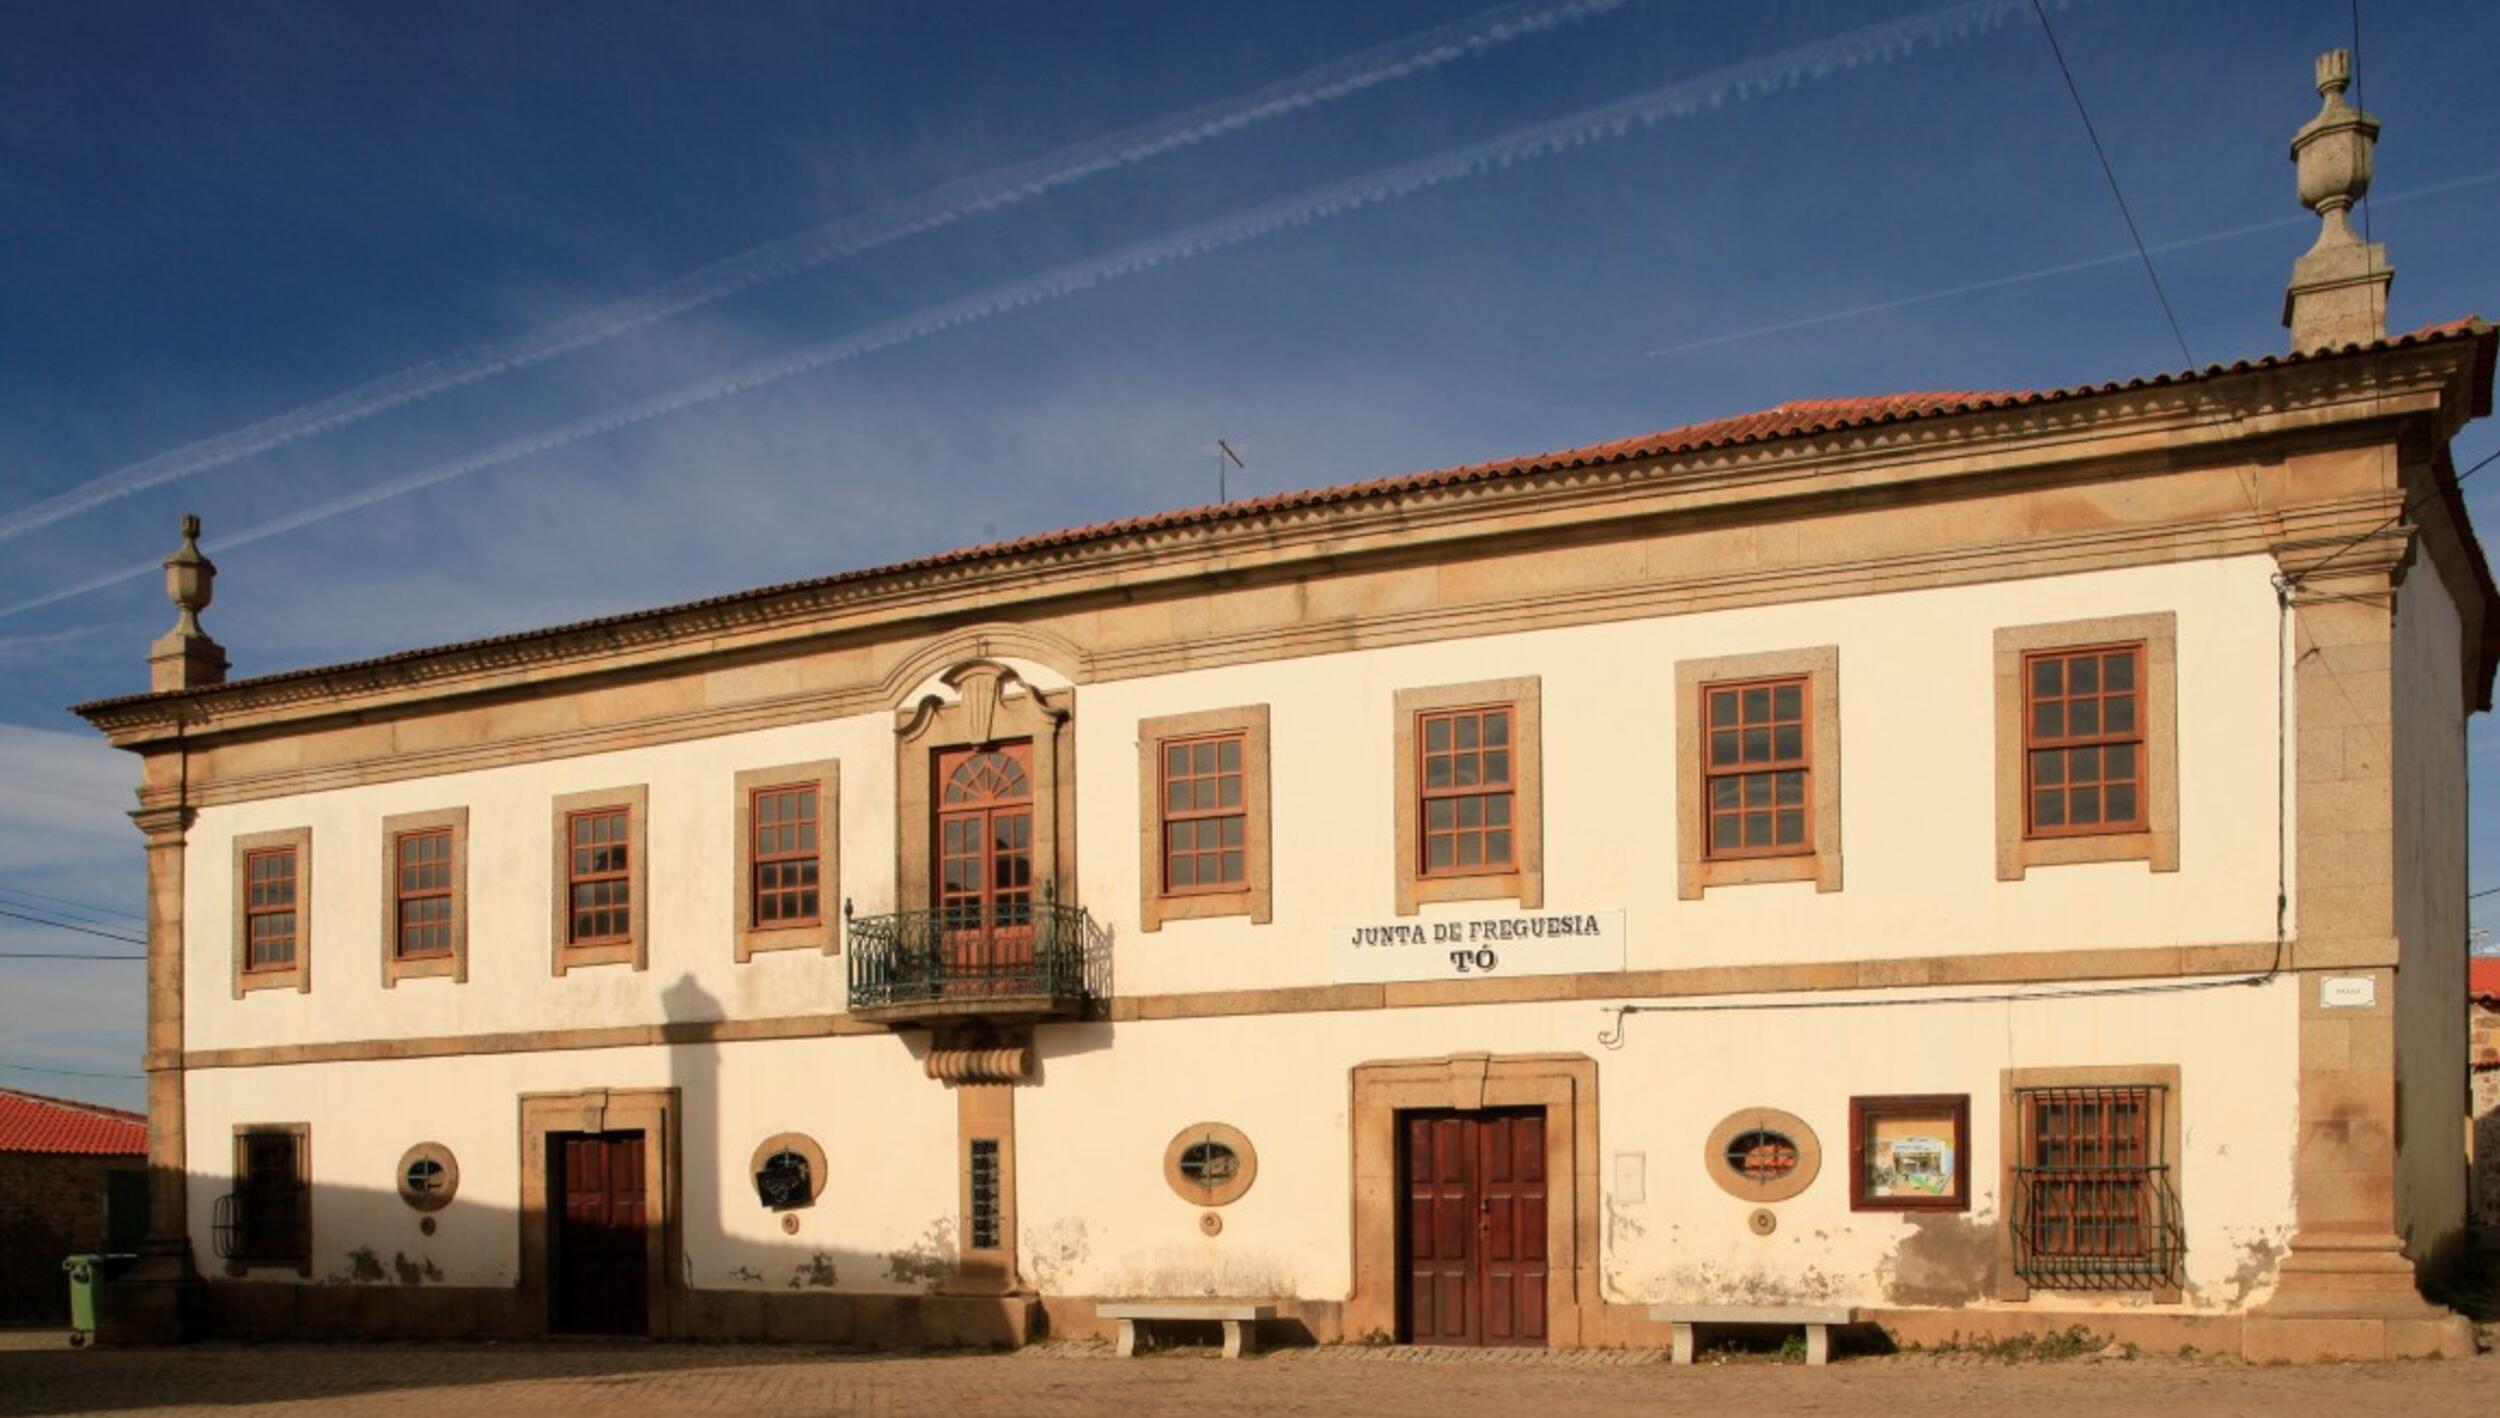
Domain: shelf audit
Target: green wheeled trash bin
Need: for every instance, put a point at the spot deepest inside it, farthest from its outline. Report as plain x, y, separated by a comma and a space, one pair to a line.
88, 1275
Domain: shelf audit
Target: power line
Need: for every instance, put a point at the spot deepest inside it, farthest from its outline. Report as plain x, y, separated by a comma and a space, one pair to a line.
2112, 174
87, 907
60, 955
2359, 101
64, 1072
2399, 515
67, 926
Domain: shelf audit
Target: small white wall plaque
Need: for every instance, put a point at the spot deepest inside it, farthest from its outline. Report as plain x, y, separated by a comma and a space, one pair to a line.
1631, 1178
2347, 992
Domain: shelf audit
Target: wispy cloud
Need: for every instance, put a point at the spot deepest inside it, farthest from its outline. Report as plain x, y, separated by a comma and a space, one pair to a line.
1784, 71
26, 647
850, 236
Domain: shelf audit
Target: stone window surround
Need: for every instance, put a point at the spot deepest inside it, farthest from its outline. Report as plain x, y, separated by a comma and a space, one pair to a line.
1745, 1120
993, 705
1226, 1193
2010, 1286
1695, 871
433, 1200
799, 1143
656, 1114
1256, 897
456, 963
635, 950
2157, 843
825, 932
302, 1133
1525, 882
298, 976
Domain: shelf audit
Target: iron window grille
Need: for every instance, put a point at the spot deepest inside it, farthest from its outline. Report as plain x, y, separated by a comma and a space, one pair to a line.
782, 1183
265, 1220
2094, 1203
985, 1194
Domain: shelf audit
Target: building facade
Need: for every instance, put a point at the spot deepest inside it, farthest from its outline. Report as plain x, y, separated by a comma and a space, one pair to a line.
1994, 859
2484, 1037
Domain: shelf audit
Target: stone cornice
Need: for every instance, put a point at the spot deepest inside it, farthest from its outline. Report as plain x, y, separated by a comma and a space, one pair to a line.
2206, 418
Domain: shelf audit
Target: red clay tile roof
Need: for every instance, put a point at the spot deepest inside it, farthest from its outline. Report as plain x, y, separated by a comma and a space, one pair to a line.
1789, 420
30, 1122
2482, 980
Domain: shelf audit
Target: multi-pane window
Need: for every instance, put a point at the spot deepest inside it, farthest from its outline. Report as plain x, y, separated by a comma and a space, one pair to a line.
1467, 790
268, 1219
269, 909
786, 891
423, 917
1756, 768
2093, 1199
2083, 740
1205, 816
599, 881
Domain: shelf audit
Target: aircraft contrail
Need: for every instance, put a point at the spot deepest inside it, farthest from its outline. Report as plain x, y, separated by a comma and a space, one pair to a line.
1772, 73
2065, 268
938, 207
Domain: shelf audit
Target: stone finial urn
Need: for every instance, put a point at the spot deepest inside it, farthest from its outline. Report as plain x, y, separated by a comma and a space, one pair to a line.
190, 578
184, 657
2338, 293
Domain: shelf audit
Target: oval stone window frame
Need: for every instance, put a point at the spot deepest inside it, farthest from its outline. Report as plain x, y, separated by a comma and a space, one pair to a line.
440, 1196
1224, 1193
1762, 1189
801, 1144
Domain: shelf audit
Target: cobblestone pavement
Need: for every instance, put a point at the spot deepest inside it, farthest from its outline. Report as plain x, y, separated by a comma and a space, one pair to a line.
39, 1374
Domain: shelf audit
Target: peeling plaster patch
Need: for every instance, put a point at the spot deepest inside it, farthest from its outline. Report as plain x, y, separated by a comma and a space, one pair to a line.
415, 1272
1054, 1255
1946, 1260
364, 1267
929, 1262
752, 1277
818, 1273
1707, 1285
2260, 1259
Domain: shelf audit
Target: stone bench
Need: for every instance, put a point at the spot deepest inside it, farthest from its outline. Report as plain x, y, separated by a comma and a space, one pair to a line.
1817, 1319
1240, 1321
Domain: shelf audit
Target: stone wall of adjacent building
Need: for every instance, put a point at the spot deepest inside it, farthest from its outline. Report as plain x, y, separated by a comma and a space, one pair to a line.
51, 1206
2485, 1047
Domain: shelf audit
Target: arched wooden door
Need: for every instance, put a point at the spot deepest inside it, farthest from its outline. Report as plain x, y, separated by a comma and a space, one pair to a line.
984, 876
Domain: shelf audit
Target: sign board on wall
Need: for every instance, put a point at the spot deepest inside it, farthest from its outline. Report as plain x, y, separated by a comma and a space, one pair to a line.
1465, 947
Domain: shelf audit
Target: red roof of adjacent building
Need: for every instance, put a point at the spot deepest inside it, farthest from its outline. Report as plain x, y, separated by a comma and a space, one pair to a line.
2482, 980
31, 1122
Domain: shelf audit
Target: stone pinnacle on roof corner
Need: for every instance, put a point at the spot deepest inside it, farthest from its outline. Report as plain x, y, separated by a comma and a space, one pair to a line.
2338, 293
185, 657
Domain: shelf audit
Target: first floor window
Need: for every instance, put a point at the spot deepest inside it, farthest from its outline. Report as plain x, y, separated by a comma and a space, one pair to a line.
786, 888
1205, 815
1755, 768
269, 909
2094, 1205
2083, 740
600, 879
1467, 790
423, 920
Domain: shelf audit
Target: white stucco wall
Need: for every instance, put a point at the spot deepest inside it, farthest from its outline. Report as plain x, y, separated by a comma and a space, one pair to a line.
1918, 821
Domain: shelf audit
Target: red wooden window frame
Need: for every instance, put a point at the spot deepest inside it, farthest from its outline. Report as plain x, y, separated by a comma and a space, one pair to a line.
1757, 716
604, 868
1863, 1110
1195, 769
2074, 769
2090, 1175
786, 851
270, 897
425, 885
1477, 766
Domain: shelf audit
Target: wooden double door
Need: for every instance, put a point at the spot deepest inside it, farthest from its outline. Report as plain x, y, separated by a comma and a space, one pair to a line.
984, 880
1471, 1233
601, 1234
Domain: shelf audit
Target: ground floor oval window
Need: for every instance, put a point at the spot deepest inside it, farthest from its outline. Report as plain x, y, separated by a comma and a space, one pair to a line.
428, 1176
1762, 1154
1209, 1164
789, 1171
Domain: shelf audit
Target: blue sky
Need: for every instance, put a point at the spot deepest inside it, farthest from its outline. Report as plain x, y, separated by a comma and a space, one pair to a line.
219, 215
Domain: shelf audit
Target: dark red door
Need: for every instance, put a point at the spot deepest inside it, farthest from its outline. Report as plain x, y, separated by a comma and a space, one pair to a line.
602, 1260
1472, 1238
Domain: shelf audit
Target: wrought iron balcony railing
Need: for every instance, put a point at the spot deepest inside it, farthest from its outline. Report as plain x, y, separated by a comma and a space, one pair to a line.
973, 959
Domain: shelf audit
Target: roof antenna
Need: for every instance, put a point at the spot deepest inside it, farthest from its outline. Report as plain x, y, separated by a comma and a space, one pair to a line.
1224, 454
